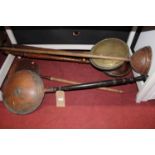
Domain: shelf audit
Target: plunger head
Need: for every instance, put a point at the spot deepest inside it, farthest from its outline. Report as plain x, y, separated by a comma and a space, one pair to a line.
141, 60
23, 92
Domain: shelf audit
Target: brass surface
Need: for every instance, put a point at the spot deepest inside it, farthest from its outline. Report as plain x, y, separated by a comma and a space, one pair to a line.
109, 47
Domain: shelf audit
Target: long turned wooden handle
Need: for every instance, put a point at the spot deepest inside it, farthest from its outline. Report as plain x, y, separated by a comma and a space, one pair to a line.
73, 82
61, 52
50, 57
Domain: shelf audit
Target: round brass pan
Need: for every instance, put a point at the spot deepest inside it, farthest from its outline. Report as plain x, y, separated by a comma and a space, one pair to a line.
109, 47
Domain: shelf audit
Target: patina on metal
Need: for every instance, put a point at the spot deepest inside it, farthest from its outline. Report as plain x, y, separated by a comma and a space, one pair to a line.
23, 92
108, 54
109, 47
121, 71
141, 60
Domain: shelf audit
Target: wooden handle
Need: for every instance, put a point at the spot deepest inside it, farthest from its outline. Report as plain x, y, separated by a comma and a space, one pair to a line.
62, 53
73, 82
49, 57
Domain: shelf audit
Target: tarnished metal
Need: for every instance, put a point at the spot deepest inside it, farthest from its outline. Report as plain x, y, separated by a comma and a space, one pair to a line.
108, 54
141, 60
109, 47
23, 92
121, 71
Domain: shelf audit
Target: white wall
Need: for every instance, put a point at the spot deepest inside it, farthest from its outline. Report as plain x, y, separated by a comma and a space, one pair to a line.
147, 90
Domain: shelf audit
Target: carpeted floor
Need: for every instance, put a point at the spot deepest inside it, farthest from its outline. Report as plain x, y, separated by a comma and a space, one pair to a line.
84, 108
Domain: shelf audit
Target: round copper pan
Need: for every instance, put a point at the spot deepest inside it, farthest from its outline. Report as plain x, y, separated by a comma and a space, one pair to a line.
121, 71
23, 92
141, 60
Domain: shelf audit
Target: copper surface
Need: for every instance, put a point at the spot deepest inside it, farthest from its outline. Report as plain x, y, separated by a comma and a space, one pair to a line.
23, 92
121, 71
141, 60
20, 64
